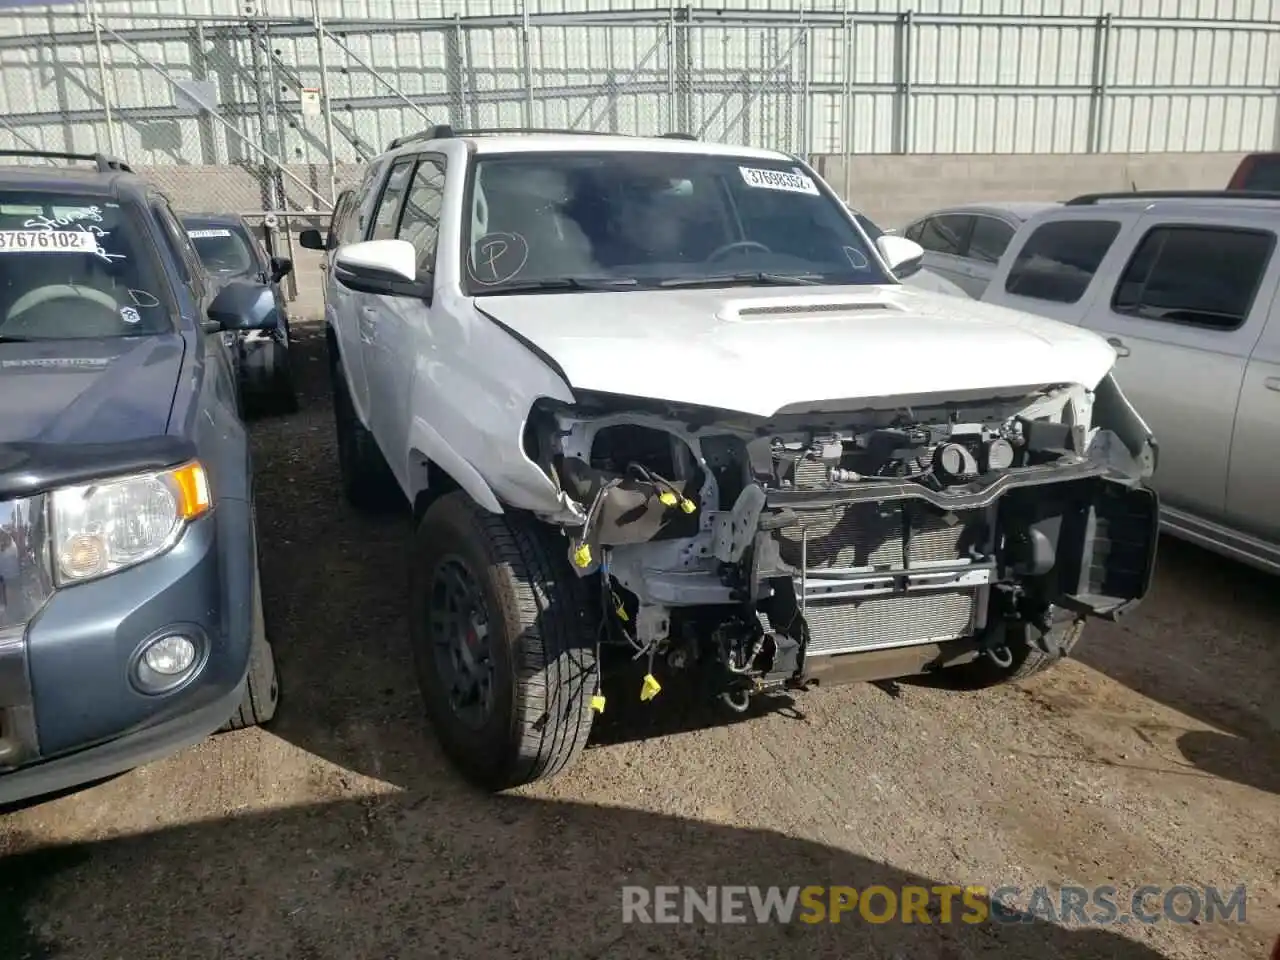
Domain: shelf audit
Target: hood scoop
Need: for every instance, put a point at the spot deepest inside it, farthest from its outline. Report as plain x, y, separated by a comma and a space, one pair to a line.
749, 311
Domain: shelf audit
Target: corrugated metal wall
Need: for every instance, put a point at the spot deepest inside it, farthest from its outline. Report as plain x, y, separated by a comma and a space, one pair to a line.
1004, 76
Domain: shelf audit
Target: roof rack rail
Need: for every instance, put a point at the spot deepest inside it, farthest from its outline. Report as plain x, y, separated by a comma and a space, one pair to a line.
677, 135
104, 163
1091, 198
443, 131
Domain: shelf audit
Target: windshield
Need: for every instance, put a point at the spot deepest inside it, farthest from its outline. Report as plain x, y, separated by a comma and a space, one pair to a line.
75, 266
223, 250
643, 220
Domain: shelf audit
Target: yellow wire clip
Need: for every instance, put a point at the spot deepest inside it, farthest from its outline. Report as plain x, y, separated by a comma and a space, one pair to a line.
582, 556
597, 703
667, 498
687, 505
650, 688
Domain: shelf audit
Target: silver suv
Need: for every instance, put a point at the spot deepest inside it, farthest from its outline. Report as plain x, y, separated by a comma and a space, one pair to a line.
1183, 284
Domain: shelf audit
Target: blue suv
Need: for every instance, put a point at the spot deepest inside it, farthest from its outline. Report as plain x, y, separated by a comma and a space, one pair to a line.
131, 619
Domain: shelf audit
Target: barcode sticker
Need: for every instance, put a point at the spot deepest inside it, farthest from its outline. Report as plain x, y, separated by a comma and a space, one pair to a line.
778, 180
47, 241
202, 234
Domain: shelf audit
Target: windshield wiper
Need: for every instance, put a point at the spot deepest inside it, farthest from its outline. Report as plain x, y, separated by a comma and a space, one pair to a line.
7, 339
778, 279
561, 283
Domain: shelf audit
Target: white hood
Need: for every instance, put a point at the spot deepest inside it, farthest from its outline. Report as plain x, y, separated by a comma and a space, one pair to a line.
760, 350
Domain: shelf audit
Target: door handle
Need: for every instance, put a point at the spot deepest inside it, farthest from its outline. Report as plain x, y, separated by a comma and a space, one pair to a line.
1121, 349
1272, 383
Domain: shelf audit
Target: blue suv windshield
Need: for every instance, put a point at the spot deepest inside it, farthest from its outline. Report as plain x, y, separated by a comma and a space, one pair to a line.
74, 266
638, 219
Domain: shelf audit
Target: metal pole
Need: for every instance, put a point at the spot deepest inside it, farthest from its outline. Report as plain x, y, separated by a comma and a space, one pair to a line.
91, 7
324, 99
806, 103
848, 114
671, 72
274, 200
528, 64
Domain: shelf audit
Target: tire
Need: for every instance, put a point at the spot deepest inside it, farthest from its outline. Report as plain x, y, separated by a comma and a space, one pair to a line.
367, 481
534, 629
1027, 658
262, 687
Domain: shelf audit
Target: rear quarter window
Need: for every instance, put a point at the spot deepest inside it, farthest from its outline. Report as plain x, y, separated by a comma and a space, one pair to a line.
1059, 259
1198, 275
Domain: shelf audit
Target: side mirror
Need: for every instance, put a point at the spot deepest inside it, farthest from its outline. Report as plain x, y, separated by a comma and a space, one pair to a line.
387, 267
281, 267
903, 257
312, 240
242, 305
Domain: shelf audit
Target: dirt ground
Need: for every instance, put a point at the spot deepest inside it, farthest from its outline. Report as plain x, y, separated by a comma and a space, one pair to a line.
1152, 757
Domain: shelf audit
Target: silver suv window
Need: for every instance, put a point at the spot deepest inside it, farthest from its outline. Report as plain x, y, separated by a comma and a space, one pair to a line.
1059, 259
1199, 275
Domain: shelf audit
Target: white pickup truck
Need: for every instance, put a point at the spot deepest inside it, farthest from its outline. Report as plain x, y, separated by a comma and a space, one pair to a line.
665, 401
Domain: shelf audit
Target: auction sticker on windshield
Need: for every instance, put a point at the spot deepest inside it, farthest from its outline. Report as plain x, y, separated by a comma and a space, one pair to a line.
778, 180
47, 241
204, 234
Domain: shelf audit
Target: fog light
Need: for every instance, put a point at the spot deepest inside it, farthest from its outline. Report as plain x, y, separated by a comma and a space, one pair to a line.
166, 662
170, 656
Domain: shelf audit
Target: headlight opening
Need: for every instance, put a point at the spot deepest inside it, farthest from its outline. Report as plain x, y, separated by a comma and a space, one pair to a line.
99, 528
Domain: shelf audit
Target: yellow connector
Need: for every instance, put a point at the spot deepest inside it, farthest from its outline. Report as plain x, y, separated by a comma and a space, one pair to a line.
650, 688
619, 609
687, 505
597, 703
667, 498
582, 556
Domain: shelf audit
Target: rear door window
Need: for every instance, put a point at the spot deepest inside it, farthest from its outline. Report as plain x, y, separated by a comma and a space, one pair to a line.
420, 221
388, 212
1198, 275
947, 233
989, 239
1059, 259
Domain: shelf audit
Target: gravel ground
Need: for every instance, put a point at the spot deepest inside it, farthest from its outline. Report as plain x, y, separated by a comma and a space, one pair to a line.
1153, 757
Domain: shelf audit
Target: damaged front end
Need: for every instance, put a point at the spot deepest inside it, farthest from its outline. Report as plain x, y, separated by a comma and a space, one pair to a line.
758, 550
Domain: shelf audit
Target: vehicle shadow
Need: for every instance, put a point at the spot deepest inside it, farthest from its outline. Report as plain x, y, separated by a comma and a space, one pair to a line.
463, 875
1204, 643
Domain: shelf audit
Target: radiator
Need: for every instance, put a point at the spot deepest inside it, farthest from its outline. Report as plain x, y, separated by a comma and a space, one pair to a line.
870, 537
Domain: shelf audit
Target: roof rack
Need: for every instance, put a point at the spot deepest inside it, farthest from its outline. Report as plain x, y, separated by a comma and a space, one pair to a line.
1091, 198
443, 131
104, 163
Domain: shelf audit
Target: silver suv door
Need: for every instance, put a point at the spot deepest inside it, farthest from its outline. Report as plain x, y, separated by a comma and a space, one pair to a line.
1253, 481
1187, 308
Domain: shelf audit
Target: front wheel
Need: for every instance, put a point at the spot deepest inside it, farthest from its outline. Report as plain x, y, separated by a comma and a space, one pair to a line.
1025, 654
502, 644
262, 687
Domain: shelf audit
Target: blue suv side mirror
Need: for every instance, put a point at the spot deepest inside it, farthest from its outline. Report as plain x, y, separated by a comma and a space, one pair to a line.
242, 305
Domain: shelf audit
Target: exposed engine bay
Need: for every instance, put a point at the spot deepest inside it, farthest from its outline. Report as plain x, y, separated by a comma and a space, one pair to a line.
753, 549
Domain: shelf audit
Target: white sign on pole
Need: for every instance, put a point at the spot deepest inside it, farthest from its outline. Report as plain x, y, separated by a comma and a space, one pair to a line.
311, 101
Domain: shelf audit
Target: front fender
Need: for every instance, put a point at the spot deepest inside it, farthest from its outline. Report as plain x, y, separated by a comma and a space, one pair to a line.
1113, 411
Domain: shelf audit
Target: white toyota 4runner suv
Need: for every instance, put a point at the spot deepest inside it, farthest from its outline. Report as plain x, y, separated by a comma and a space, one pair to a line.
664, 400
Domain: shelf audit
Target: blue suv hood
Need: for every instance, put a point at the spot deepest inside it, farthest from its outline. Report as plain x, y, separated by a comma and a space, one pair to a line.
88, 391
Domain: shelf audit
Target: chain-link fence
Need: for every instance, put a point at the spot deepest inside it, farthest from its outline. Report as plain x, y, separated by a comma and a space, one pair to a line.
254, 113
